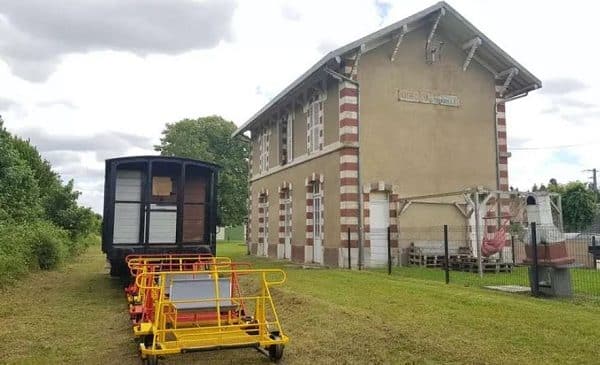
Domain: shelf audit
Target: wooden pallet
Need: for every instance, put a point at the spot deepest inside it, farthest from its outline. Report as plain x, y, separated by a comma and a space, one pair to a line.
458, 262
418, 258
426, 261
471, 264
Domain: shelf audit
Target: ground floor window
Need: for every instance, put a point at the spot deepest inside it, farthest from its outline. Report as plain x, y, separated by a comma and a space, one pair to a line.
287, 223
263, 225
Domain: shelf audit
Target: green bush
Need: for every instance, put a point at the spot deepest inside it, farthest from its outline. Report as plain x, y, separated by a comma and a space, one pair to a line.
14, 253
30, 247
41, 222
79, 244
48, 246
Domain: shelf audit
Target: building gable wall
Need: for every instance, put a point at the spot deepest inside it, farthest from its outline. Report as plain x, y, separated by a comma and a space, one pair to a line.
426, 148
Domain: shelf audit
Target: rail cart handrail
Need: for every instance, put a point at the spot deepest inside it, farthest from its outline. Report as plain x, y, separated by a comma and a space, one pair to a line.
136, 264
139, 280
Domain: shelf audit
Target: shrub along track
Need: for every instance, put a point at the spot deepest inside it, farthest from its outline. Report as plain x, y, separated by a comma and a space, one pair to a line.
78, 315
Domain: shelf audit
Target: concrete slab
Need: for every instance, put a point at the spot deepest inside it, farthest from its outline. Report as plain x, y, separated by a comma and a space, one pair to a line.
510, 288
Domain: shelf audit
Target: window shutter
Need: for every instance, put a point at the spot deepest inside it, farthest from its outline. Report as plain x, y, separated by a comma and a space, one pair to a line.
308, 129
316, 126
290, 136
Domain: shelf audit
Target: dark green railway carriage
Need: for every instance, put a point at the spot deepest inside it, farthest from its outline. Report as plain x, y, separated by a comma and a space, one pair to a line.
158, 204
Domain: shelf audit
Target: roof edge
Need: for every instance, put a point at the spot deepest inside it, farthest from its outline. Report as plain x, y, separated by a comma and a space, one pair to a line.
376, 35
335, 53
162, 157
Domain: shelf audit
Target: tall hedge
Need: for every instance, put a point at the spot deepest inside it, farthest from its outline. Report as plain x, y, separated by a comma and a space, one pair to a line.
40, 221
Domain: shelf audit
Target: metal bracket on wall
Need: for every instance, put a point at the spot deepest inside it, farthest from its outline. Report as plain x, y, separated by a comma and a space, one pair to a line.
466, 212
400, 38
354, 68
473, 44
300, 99
430, 50
510, 73
404, 206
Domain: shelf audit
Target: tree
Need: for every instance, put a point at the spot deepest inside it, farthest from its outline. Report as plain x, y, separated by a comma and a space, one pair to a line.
58, 201
41, 168
209, 139
31, 190
19, 191
555, 187
579, 207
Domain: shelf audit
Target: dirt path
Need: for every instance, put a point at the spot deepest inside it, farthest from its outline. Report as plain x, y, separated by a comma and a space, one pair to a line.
77, 315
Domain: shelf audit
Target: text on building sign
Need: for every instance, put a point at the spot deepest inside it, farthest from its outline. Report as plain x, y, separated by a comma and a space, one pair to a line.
427, 97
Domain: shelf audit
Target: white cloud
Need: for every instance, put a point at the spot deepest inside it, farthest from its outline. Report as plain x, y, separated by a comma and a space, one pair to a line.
37, 34
130, 83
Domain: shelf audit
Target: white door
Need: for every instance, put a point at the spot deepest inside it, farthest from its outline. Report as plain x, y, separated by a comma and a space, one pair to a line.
287, 246
317, 224
379, 222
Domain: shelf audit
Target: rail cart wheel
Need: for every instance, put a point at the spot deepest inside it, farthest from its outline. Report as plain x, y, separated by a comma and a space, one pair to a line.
275, 351
150, 360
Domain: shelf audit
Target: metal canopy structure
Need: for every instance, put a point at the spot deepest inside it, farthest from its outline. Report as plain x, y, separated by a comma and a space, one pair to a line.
439, 18
472, 200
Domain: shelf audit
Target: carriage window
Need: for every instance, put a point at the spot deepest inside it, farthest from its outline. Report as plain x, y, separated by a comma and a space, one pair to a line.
162, 186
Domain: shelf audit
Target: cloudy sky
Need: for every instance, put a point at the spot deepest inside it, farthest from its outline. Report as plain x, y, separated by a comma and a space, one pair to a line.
88, 80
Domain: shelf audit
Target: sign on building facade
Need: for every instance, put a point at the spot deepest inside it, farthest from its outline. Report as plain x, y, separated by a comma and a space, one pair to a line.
428, 97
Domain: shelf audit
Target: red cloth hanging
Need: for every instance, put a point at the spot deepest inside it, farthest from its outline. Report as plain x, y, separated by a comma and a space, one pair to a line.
494, 243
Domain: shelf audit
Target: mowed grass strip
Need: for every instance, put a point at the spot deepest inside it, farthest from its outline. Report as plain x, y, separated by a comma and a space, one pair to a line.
78, 315
586, 282
441, 323
75, 315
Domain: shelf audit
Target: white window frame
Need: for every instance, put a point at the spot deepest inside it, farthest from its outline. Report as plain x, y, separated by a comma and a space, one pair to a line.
263, 203
317, 211
290, 137
315, 121
263, 150
288, 218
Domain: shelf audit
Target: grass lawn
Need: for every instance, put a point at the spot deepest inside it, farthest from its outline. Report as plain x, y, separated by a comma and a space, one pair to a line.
78, 315
586, 282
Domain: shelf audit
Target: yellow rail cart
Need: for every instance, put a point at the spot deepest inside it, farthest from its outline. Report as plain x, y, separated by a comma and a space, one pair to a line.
138, 264
210, 310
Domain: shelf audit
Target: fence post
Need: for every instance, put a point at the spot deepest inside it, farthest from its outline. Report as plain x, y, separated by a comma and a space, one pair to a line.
349, 251
536, 275
512, 242
594, 263
389, 247
446, 256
